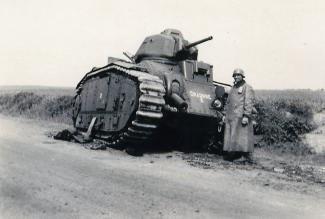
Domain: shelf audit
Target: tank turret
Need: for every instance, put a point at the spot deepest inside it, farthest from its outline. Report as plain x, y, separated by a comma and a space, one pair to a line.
169, 45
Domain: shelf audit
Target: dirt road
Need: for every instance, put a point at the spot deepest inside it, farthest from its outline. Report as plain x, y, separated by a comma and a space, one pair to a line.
44, 178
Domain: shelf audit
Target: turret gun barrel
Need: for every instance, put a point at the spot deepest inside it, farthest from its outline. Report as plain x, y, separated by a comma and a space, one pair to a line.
129, 56
198, 42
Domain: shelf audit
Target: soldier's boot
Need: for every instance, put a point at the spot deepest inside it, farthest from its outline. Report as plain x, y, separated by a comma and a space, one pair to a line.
249, 157
231, 155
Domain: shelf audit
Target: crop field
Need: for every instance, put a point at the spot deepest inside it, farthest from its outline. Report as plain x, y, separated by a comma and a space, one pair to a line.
39, 90
45, 103
313, 98
283, 115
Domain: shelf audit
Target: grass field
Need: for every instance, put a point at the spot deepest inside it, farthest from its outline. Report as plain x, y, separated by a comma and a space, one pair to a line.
39, 90
37, 102
283, 115
313, 98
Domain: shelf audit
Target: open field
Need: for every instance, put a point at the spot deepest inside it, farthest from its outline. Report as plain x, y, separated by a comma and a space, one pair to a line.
313, 98
39, 90
37, 102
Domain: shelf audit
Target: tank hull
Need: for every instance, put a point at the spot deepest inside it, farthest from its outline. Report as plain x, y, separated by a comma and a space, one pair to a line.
131, 106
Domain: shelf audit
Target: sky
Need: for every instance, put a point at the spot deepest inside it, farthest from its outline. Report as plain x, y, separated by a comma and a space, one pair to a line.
279, 44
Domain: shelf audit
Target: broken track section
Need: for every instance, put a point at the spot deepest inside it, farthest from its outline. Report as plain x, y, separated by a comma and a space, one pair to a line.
143, 120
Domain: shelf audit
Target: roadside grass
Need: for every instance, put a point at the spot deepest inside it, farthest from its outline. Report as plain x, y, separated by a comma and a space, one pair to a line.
53, 107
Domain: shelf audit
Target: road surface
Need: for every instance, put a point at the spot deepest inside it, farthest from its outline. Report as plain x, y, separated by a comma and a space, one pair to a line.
44, 178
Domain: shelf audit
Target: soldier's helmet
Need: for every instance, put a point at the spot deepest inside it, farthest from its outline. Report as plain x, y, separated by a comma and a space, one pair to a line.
238, 71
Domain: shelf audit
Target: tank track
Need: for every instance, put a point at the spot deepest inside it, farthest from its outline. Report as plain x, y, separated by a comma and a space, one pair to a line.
149, 112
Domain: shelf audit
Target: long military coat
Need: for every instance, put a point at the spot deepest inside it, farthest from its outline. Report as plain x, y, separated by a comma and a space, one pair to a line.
240, 102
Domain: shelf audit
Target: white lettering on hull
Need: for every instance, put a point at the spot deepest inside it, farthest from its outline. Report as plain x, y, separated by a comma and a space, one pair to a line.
200, 95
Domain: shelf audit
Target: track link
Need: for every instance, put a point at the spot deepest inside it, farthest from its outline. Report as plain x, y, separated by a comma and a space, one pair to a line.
149, 112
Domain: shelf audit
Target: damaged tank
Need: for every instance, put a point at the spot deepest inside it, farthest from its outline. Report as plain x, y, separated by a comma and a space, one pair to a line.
161, 96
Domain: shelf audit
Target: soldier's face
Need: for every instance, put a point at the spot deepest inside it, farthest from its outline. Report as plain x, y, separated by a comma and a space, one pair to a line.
238, 78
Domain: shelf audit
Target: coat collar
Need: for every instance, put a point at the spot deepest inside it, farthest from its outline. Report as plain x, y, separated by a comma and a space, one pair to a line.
239, 84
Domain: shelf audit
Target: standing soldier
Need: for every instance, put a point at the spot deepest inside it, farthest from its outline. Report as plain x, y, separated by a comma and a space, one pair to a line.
238, 139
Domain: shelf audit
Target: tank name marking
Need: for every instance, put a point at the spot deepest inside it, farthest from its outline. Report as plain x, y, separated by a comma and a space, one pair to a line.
200, 95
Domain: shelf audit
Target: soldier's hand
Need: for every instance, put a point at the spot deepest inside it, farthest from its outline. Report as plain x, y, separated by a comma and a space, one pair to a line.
244, 121
222, 121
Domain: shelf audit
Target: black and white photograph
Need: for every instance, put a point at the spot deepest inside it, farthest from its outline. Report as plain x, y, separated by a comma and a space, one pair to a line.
162, 109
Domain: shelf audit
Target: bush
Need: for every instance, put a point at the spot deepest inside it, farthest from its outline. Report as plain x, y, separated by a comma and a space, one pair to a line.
283, 120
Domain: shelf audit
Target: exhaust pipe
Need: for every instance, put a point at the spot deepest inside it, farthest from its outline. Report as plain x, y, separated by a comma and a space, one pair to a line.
179, 102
